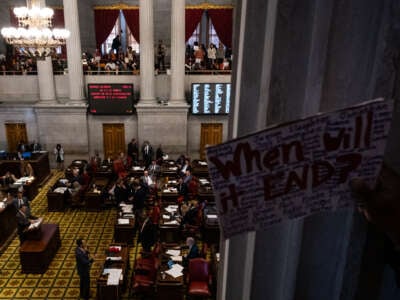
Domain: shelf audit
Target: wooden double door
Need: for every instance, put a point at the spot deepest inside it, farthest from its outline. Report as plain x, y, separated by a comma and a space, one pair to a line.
114, 139
211, 134
16, 132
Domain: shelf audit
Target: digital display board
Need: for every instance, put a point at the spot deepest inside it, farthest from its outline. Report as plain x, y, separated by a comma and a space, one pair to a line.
110, 99
211, 98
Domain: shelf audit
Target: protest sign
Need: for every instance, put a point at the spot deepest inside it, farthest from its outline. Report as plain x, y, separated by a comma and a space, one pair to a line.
297, 169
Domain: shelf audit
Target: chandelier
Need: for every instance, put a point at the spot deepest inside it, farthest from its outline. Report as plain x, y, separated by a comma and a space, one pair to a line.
34, 34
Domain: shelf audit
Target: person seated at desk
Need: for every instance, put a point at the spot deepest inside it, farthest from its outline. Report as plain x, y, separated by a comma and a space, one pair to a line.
154, 169
193, 251
20, 201
108, 162
8, 178
36, 147
183, 192
146, 179
26, 169
24, 220
185, 167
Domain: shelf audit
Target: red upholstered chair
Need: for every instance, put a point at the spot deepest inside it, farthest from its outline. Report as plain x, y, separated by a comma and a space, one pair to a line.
149, 260
199, 278
143, 281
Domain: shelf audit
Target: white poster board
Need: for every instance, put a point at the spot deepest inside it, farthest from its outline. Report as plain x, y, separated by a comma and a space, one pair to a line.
297, 169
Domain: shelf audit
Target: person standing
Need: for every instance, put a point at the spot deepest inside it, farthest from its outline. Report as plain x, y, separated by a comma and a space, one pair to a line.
133, 151
23, 222
59, 154
83, 264
116, 43
147, 152
161, 49
147, 234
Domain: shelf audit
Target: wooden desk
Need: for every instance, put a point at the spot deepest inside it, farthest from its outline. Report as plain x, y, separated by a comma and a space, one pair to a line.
36, 255
8, 223
104, 171
57, 201
39, 162
94, 199
168, 287
124, 233
105, 291
200, 168
211, 232
136, 171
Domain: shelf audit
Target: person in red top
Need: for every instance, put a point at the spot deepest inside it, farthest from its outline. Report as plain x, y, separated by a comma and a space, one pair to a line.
155, 213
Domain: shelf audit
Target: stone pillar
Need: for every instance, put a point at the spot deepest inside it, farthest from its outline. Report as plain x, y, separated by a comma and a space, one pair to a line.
177, 92
74, 52
47, 90
146, 53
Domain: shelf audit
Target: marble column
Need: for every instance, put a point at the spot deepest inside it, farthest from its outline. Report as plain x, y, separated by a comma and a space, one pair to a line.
74, 52
146, 24
47, 90
177, 92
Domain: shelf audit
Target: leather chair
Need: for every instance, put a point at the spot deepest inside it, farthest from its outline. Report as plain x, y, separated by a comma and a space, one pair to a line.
144, 281
199, 278
149, 260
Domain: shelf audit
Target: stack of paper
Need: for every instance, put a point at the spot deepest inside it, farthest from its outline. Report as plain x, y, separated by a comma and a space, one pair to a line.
115, 258
175, 271
123, 221
177, 258
35, 224
173, 252
114, 276
171, 208
174, 222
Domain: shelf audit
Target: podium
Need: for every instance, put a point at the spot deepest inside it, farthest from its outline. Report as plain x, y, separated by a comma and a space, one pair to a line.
36, 255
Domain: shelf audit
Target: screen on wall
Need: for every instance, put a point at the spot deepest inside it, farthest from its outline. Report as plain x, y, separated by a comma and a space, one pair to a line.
110, 99
211, 98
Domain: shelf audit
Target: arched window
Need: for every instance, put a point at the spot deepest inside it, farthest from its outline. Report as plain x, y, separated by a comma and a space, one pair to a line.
126, 36
205, 32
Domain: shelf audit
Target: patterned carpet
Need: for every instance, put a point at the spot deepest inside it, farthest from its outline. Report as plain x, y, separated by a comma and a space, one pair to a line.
61, 280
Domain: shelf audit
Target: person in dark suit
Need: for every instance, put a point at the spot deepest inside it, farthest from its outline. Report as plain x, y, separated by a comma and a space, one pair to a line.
23, 222
147, 153
154, 169
139, 198
83, 264
147, 234
20, 201
182, 191
193, 250
133, 151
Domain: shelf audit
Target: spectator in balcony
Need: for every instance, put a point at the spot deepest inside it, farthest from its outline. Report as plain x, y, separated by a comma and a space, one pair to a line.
220, 54
198, 56
116, 43
212, 56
